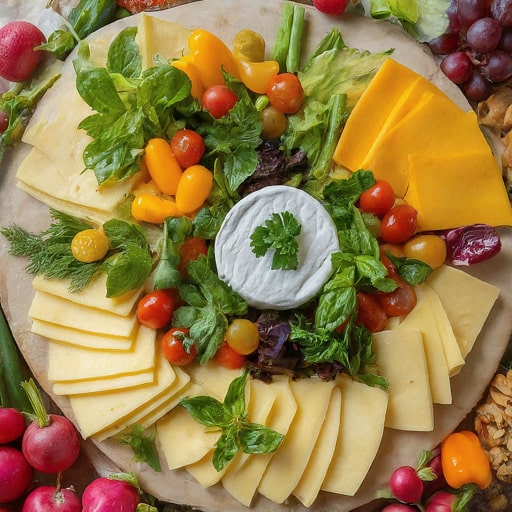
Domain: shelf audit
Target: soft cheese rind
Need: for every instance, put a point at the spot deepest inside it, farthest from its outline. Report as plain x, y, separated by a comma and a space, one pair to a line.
253, 277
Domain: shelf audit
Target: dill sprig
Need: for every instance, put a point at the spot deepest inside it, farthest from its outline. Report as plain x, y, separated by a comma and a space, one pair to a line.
50, 251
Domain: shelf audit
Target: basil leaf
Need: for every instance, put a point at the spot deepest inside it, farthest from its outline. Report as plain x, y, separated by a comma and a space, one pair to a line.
255, 438
123, 54
120, 233
60, 43
412, 271
335, 307
90, 15
127, 270
143, 446
208, 332
207, 411
225, 449
234, 401
375, 272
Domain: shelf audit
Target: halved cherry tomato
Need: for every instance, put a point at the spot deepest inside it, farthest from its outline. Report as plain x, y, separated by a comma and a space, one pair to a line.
155, 309
243, 336
188, 147
285, 93
370, 313
218, 100
228, 358
378, 199
177, 347
190, 250
399, 224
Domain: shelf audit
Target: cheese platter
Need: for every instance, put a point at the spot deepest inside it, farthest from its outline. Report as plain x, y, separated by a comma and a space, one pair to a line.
36, 310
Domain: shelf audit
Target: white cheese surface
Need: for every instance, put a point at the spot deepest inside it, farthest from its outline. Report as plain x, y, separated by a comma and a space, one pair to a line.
252, 277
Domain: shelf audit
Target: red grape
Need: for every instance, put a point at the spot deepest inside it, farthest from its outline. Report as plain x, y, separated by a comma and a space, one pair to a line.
505, 43
457, 67
468, 11
484, 35
502, 11
498, 67
445, 43
476, 88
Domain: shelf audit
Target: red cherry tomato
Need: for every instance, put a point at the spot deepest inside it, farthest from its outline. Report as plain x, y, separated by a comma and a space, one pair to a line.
378, 199
399, 224
218, 100
285, 93
156, 308
190, 250
188, 147
370, 313
401, 301
228, 358
177, 347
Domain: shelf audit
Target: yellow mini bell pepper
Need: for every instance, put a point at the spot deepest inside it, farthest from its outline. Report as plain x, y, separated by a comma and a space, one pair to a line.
186, 65
162, 165
209, 56
464, 460
153, 209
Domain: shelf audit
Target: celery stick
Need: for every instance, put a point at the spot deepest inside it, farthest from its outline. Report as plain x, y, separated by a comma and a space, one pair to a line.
295, 46
280, 50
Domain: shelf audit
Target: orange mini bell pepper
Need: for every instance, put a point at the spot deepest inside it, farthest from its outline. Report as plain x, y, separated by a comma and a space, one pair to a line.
162, 165
257, 75
464, 460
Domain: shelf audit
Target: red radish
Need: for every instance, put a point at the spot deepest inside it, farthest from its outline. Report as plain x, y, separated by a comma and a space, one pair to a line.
406, 485
18, 59
51, 499
15, 474
432, 486
399, 507
441, 502
108, 494
50, 443
334, 7
12, 424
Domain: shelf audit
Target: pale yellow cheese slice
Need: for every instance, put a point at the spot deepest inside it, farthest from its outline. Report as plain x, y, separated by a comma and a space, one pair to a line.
98, 412
50, 308
243, 476
451, 348
361, 430
72, 363
311, 481
155, 410
93, 296
289, 462
442, 185
401, 361
177, 426
160, 39
467, 301
422, 318
81, 338
83, 387
63, 184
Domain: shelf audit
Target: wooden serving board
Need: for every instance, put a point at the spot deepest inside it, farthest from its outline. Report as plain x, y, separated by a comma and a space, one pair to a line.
225, 18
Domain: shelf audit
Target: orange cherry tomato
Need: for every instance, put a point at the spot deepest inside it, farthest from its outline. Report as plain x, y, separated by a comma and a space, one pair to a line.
285, 93
228, 358
190, 250
156, 308
370, 313
177, 347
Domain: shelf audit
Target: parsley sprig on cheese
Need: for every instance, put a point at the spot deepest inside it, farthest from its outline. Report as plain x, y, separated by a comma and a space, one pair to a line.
279, 233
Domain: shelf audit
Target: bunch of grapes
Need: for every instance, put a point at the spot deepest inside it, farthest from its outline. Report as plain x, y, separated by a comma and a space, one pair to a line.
476, 49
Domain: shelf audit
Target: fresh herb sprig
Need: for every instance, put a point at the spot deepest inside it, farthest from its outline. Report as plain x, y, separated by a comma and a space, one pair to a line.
143, 444
127, 264
230, 417
279, 233
209, 303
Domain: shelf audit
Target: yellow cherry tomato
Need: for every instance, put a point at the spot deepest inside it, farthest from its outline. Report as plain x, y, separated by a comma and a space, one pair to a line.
194, 188
90, 245
431, 249
153, 209
242, 336
249, 46
162, 165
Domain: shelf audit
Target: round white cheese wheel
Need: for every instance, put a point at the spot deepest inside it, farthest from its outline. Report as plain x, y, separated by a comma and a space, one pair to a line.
252, 277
